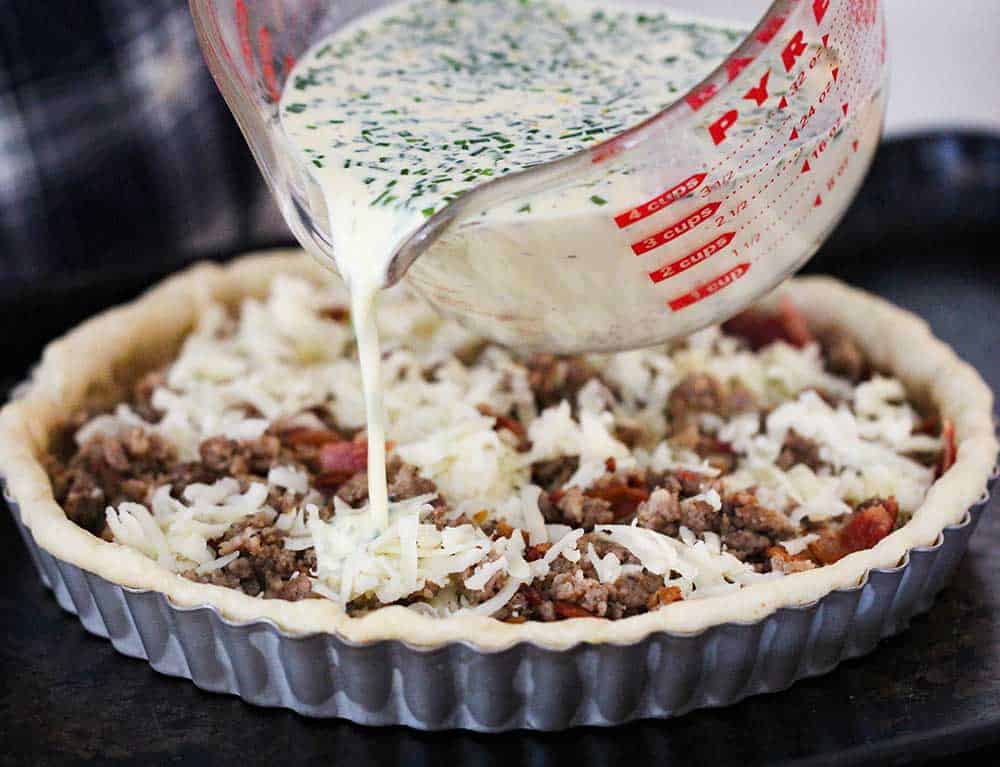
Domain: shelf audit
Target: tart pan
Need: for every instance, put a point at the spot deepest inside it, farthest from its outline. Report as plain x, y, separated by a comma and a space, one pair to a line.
522, 687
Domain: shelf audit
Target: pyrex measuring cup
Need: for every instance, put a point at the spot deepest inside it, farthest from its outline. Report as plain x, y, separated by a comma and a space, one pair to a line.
677, 223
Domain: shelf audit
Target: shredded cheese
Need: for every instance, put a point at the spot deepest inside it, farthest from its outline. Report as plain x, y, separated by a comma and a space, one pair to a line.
282, 357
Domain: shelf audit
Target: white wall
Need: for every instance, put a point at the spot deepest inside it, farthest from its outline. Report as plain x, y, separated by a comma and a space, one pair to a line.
945, 57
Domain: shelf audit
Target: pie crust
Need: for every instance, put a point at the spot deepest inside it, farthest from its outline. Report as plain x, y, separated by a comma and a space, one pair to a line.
100, 357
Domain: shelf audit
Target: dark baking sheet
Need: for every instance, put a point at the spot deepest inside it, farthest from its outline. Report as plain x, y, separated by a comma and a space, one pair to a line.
923, 233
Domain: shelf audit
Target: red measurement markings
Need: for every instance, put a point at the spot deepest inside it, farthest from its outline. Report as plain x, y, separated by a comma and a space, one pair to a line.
734, 67
831, 183
770, 30
697, 99
243, 26
806, 117
267, 63
660, 202
820, 7
804, 121
797, 83
824, 143
709, 288
717, 186
800, 78
864, 11
793, 53
701, 255
676, 230
608, 149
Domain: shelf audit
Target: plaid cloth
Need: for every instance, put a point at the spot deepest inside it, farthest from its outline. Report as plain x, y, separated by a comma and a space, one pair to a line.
115, 145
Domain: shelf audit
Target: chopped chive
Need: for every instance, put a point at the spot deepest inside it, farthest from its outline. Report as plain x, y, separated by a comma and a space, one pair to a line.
534, 53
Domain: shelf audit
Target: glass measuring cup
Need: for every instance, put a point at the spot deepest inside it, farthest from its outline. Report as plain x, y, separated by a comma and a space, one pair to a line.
677, 223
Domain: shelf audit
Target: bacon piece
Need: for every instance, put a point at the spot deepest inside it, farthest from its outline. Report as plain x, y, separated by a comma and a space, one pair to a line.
828, 549
692, 483
624, 499
536, 552
570, 610
507, 423
928, 425
531, 594
869, 524
760, 328
709, 447
296, 436
331, 481
665, 596
783, 561
794, 323
336, 313
780, 552
516, 428
344, 457
949, 448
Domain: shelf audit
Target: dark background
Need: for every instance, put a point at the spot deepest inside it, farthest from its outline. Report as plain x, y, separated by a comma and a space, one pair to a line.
923, 233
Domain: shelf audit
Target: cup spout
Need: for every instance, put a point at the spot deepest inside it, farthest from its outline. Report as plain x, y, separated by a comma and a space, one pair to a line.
416, 245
